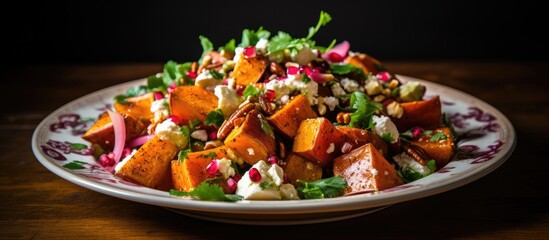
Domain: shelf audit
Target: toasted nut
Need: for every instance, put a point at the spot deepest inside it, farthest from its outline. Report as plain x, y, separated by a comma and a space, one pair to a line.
266, 106
277, 69
238, 121
321, 107
395, 110
379, 98
417, 153
213, 144
281, 149
343, 118
393, 84
194, 67
387, 92
228, 124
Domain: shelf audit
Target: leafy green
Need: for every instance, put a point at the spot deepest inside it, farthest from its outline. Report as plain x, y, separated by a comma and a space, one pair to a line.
427, 132
437, 137
409, 175
210, 155
187, 133
215, 118
266, 127
345, 69
131, 92
217, 75
229, 46
75, 165
264, 185
78, 146
251, 37
365, 109
324, 19
207, 192
446, 121
407, 136
207, 46
305, 78
323, 188
250, 91
431, 164
182, 155
387, 137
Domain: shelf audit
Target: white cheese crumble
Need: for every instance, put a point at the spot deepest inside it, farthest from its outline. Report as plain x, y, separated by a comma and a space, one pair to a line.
404, 161
237, 53
225, 168
383, 125
124, 161
294, 83
304, 56
206, 80
250, 151
158, 108
271, 186
261, 46
168, 130
350, 85
331, 102
201, 135
337, 90
228, 100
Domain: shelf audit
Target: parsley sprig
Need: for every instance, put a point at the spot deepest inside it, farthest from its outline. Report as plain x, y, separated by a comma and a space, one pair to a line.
323, 188
207, 192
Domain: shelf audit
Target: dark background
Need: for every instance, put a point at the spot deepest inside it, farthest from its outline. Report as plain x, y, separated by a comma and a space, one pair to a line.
111, 32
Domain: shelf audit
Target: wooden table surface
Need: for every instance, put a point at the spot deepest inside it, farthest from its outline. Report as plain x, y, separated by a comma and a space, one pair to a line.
511, 202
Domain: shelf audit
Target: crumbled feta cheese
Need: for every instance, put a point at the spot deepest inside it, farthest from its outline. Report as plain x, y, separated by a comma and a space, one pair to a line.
374, 171
274, 190
250, 151
237, 53
331, 148
228, 100
201, 135
158, 108
350, 85
168, 130
373, 87
337, 90
285, 99
293, 83
331, 102
124, 161
383, 125
206, 80
304, 56
261, 46
225, 168
404, 161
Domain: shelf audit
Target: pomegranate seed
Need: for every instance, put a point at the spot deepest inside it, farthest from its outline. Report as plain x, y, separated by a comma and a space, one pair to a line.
158, 95
106, 161
237, 177
270, 95
307, 70
387, 102
226, 81
212, 135
292, 71
110, 155
272, 159
383, 76
175, 119
172, 87
335, 57
416, 132
126, 152
212, 167
249, 51
281, 78
231, 183
191, 74
255, 175
240, 90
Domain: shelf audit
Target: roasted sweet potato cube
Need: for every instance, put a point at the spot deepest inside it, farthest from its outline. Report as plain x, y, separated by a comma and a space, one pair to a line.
139, 107
358, 137
319, 141
366, 169
102, 131
298, 168
365, 62
287, 119
150, 165
248, 70
192, 102
425, 114
252, 140
439, 145
190, 172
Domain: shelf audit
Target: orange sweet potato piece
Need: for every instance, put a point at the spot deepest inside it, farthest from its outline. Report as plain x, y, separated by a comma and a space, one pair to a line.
138, 107
358, 137
425, 114
365, 62
366, 169
298, 168
287, 119
252, 140
190, 172
102, 131
192, 102
150, 165
440, 150
317, 140
248, 70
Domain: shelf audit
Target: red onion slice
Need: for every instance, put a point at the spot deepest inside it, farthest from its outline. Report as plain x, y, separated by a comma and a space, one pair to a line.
338, 53
119, 134
138, 141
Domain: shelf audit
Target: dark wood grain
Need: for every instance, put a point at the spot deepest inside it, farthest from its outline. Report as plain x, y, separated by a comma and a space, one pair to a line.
509, 203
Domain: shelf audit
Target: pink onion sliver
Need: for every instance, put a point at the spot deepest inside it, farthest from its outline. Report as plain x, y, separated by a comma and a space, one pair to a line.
341, 49
119, 134
138, 141
319, 77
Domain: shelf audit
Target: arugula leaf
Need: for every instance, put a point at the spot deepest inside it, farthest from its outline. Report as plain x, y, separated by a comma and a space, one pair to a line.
323, 188
324, 19
183, 69
407, 136
365, 109
266, 127
207, 192
305, 78
229, 46
437, 137
207, 46
250, 37
215, 118
427, 132
250, 91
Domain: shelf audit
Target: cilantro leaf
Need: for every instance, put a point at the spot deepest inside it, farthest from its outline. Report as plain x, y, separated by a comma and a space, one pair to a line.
323, 188
437, 137
75, 165
431, 164
182, 155
207, 46
387, 137
324, 19
217, 75
409, 175
229, 46
264, 185
365, 109
250, 37
207, 192
250, 91
215, 118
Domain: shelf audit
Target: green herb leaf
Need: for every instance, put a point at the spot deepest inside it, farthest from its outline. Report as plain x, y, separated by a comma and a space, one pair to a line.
78, 146
250, 91
210, 155
193, 124
207, 192
323, 188
264, 185
407, 136
229, 46
75, 165
431, 164
409, 175
365, 109
250, 37
217, 75
305, 78
426, 132
207, 46
437, 137
187, 133
215, 118
324, 19
266, 127
387, 137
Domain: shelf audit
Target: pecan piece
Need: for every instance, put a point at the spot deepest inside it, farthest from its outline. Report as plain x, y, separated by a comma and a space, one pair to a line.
417, 153
229, 124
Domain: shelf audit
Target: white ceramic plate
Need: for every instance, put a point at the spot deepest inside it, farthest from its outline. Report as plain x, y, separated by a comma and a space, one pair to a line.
488, 140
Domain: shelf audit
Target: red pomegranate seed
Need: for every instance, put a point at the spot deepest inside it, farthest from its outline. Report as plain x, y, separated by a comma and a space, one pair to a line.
237, 177
292, 70
249, 51
335, 57
281, 78
212, 135
272, 159
307, 70
158, 95
231, 183
175, 119
212, 167
106, 161
270, 95
126, 152
172, 87
387, 102
240, 90
255, 175
191, 74
416, 132
383, 76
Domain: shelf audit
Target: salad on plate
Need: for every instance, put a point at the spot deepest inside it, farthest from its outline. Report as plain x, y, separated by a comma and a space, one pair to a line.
273, 117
